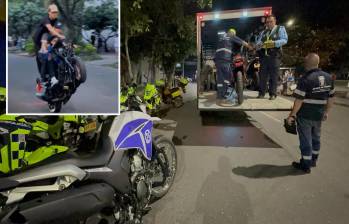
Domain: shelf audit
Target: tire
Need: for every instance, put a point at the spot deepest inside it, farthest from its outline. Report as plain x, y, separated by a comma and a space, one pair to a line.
165, 160
178, 102
55, 107
81, 69
240, 87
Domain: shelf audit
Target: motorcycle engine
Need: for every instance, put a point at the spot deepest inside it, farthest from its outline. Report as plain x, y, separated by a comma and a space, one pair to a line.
140, 179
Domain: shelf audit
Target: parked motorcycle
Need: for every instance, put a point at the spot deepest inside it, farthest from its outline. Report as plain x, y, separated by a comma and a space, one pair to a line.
69, 73
182, 82
129, 101
114, 184
169, 95
26, 141
152, 98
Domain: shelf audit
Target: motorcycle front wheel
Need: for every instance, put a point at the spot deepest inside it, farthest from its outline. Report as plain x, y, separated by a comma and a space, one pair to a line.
165, 166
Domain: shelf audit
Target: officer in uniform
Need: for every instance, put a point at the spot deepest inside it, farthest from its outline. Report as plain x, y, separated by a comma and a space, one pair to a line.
223, 61
314, 98
270, 44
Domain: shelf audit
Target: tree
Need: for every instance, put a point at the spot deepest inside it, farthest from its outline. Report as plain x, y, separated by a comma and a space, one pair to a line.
24, 16
72, 16
163, 31
102, 17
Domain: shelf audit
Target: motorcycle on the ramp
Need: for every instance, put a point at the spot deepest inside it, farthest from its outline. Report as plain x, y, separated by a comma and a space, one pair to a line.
69, 72
115, 183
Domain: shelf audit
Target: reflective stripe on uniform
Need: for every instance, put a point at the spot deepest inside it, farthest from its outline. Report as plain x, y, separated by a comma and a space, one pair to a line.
315, 152
306, 157
313, 101
223, 49
332, 92
299, 92
219, 85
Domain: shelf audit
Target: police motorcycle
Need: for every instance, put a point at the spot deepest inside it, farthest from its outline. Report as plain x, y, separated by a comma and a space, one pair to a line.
129, 100
28, 140
115, 183
182, 82
169, 95
152, 98
64, 74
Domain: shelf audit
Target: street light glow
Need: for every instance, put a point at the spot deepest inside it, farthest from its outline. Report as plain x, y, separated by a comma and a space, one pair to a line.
290, 22
216, 15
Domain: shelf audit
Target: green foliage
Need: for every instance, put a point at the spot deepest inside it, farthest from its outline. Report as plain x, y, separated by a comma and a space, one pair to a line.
327, 42
164, 31
24, 16
100, 17
30, 46
87, 49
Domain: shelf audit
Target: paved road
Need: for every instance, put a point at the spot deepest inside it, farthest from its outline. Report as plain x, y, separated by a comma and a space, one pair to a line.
97, 95
252, 181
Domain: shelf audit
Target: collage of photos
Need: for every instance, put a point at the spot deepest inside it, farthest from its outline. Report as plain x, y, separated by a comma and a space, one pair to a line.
174, 111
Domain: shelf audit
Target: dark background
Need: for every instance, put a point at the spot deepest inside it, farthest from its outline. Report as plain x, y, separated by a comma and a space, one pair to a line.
314, 12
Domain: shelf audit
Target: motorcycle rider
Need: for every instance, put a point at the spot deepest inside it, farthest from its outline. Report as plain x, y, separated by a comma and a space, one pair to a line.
223, 58
270, 44
48, 28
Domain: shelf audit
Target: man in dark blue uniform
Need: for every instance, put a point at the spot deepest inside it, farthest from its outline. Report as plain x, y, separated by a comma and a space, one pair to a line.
223, 61
314, 98
270, 44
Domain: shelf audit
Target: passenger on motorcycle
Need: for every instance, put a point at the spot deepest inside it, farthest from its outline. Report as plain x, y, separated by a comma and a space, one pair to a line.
48, 29
223, 58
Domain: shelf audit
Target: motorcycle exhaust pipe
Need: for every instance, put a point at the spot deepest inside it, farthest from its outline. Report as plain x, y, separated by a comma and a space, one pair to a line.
63, 207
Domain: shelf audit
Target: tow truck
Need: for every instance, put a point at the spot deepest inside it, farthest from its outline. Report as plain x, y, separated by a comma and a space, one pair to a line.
209, 26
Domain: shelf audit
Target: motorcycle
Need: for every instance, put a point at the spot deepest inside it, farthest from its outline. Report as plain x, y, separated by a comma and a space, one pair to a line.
169, 95
252, 74
238, 76
129, 101
2, 100
182, 82
115, 184
29, 140
69, 73
152, 99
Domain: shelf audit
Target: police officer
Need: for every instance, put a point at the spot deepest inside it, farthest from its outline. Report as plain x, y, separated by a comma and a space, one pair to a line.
223, 60
314, 98
270, 44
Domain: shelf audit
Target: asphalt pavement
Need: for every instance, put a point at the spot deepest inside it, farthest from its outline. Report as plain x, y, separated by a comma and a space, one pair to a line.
249, 179
99, 94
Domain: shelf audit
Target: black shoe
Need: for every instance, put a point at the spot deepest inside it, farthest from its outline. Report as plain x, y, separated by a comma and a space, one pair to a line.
272, 97
260, 96
301, 167
313, 163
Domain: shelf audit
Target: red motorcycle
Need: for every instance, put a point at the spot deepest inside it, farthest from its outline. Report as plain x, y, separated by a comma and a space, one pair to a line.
238, 76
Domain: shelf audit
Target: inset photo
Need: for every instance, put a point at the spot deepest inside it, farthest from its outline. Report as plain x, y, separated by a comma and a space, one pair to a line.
63, 57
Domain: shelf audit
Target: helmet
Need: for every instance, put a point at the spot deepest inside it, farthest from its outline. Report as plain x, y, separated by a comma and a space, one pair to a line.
232, 30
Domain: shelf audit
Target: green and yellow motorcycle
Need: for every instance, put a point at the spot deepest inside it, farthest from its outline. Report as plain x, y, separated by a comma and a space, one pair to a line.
152, 99
169, 95
28, 140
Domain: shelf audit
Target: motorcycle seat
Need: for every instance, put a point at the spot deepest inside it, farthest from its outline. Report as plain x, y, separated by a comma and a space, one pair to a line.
6, 184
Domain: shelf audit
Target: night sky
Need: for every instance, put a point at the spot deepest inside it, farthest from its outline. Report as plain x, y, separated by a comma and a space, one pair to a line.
314, 12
